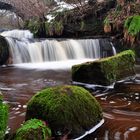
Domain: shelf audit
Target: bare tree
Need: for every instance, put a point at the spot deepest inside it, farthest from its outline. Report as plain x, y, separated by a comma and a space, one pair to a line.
28, 9
79, 4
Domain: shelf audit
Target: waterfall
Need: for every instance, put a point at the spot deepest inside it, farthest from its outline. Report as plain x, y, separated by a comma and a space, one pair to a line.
26, 50
18, 34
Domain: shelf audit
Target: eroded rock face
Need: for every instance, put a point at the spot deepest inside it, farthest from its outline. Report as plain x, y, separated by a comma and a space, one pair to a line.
33, 129
67, 110
4, 50
107, 70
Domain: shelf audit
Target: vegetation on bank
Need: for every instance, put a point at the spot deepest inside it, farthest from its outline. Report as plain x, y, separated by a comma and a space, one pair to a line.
3, 118
132, 28
83, 19
79, 21
124, 22
44, 28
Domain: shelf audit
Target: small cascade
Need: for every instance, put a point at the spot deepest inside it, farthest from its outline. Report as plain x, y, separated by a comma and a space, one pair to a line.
18, 34
25, 49
107, 48
113, 49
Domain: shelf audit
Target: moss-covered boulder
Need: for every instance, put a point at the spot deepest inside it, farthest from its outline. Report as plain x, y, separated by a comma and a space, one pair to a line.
3, 118
107, 70
4, 50
33, 129
67, 109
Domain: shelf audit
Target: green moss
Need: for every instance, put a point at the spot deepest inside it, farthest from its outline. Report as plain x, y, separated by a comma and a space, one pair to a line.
3, 119
33, 26
33, 129
49, 29
107, 70
132, 24
58, 27
82, 25
106, 21
66, 109
54, 28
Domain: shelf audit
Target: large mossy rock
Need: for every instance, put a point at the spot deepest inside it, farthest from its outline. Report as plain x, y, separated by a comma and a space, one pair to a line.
67, 109
107, 70
3, 118
33, 129
4, 50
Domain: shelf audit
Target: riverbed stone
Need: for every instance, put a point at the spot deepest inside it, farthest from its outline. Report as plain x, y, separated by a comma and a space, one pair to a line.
33, 129
105, 71
4, 50
3, 118
67, 110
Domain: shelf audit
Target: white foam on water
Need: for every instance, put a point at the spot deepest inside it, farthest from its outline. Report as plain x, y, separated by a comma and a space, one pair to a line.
19, 34
52, 65
91, 130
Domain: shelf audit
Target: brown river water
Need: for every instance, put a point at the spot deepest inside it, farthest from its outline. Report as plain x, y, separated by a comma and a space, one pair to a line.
121, 110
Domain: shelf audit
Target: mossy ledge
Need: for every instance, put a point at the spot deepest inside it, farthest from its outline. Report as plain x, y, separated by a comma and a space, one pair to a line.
3, 118
67, 110
33, 129
107, 70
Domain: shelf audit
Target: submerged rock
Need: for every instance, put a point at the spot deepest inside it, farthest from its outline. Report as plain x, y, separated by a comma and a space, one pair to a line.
33, 129
4, 50
67, 109
107, 70
3, 118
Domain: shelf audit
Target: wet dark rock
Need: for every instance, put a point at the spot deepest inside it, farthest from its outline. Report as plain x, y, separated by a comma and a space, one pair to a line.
67, 110
107, 70
5, 6
4, 50
106, 48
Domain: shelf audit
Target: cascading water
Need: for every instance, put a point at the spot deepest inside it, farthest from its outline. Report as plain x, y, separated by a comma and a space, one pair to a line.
18, 34
50, 53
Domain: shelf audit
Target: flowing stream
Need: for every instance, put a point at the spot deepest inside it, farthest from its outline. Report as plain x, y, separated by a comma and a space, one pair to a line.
121, 110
